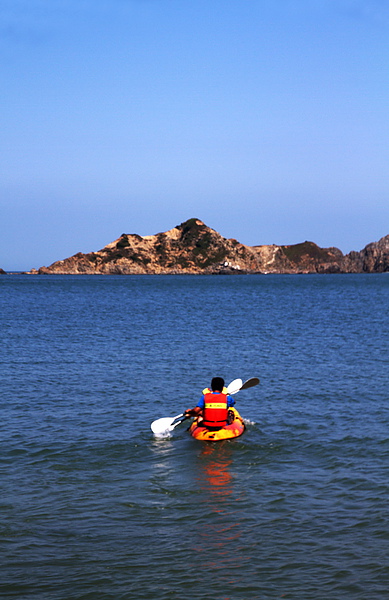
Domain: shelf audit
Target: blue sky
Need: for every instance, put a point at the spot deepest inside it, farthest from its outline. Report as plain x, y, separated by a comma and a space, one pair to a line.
268, 121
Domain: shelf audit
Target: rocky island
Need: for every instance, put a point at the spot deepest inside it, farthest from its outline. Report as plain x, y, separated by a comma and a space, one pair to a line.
193, 247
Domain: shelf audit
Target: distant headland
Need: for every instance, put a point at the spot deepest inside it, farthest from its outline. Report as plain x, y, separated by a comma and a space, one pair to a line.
193, 247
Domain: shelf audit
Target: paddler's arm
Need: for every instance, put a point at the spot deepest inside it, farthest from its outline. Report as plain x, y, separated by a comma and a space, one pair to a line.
230, 401
197, 410
193, 412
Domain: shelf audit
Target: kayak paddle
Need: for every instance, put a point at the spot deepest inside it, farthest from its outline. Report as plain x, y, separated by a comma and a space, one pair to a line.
234, 386
167, 424
237, 385
250, 383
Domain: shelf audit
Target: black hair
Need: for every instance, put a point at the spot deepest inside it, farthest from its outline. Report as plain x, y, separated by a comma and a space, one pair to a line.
217, 384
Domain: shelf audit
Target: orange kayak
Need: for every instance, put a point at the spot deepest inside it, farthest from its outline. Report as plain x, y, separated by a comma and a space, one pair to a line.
232, 430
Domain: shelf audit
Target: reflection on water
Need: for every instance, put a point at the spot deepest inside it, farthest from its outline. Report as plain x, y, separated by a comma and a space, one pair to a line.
163, 451
219, 537
214, 476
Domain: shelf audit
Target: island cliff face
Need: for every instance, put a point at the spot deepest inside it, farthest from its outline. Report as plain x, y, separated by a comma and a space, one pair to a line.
192, 247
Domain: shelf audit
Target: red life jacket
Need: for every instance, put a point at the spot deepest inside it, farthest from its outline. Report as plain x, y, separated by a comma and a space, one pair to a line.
215, 409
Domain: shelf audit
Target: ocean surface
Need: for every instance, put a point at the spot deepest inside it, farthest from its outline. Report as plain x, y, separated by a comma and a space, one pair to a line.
93, 507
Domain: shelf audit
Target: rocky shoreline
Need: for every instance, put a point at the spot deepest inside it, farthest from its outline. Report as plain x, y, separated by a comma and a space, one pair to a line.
194, 248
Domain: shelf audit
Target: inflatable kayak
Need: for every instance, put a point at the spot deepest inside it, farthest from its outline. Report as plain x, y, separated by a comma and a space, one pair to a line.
232, 430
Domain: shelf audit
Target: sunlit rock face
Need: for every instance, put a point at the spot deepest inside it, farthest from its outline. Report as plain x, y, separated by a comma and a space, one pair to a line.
193, 247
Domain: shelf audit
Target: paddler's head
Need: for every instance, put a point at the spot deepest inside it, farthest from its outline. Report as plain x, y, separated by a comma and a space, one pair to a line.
217, 384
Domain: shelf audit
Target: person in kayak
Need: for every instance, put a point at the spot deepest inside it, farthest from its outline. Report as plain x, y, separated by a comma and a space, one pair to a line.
212, 409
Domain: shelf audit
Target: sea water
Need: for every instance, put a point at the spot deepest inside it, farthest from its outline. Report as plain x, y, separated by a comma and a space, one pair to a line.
93, 507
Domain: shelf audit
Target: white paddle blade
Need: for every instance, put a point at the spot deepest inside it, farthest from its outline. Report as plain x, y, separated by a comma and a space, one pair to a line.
164, 425
234, 386
161, 425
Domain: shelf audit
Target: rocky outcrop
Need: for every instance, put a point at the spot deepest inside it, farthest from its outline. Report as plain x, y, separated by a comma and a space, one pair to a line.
2, 272
306, 257
374, 258
192, 247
